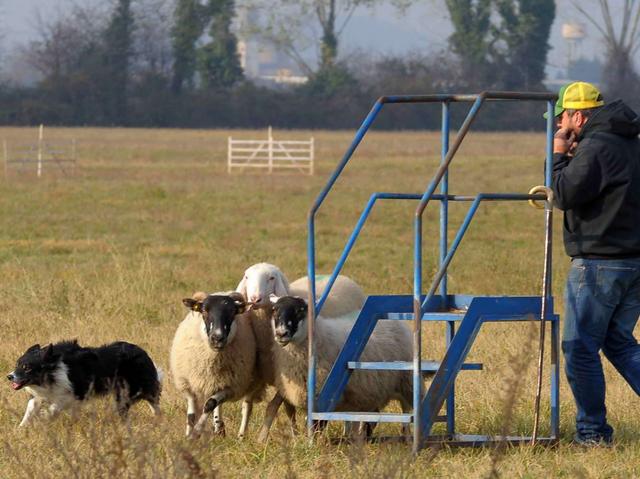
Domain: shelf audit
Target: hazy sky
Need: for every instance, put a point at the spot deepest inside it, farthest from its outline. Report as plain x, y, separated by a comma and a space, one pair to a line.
381, 29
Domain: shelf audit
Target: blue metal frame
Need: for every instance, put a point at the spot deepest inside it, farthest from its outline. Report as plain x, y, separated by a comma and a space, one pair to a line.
430, 306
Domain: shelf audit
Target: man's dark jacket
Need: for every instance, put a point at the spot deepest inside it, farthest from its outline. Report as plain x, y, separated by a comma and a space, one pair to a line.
599, 188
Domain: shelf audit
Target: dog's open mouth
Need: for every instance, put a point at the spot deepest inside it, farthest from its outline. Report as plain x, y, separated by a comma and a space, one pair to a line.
15, 385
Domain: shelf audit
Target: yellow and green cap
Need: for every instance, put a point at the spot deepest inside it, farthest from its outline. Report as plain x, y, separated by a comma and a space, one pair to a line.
577, 96
558, 109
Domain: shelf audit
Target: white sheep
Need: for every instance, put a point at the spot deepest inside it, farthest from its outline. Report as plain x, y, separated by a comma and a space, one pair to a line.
263, 279
366, 390
213, 359
346, 296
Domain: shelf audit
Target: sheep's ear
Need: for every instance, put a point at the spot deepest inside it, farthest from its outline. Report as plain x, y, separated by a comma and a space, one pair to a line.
192, 304
282, 285
273, 298
242, 286
239, 301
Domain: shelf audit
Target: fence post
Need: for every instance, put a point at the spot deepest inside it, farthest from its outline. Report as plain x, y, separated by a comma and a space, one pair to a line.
229, 155
311, 156
40, 135
73, 156
270, 147
6, 158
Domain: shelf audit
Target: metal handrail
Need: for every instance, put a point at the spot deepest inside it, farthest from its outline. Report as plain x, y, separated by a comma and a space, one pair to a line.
314, 308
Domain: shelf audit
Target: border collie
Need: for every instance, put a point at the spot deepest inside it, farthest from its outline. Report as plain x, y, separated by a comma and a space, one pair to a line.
66, 374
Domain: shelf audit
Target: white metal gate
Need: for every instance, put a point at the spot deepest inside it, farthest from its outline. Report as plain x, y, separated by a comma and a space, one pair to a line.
271, 154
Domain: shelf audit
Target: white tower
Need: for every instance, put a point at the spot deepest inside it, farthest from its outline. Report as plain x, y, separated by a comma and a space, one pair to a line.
573, 33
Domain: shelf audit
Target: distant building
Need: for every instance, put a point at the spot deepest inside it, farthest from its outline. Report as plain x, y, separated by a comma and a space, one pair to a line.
262, 61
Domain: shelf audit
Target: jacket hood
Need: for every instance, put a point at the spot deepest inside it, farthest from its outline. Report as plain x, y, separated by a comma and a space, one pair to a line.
616, 118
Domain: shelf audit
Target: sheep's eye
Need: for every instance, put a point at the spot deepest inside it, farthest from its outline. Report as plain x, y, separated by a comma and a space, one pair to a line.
271, 278
246, 277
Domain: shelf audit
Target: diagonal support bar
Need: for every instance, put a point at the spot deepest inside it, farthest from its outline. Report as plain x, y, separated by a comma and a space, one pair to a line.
481, 309
375, 308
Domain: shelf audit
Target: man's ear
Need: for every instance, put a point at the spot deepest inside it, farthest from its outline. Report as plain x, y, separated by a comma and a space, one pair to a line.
193, 304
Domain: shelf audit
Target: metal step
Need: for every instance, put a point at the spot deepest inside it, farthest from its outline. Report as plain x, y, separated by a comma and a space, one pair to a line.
368, 417
363, 417
406, 365
443, 316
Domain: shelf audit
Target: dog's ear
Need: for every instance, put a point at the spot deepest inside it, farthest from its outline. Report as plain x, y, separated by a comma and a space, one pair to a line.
35, 347
47, 353
193, 304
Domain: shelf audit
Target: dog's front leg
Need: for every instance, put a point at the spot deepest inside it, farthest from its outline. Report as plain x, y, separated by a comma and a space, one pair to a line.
33, 407
212, 403
56, 407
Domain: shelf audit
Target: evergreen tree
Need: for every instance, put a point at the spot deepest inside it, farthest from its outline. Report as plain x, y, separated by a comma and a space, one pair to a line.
218, 62
190, 18
471, 40
117, 52
525, 29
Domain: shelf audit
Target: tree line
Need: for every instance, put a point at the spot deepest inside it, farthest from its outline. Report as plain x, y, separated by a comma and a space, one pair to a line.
175, 63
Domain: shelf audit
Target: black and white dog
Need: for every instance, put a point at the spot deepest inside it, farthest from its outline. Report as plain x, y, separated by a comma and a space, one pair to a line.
65, 374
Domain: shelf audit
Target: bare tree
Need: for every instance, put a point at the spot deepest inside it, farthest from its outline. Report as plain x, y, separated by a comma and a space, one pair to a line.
297, 25
55, 52
152, 36
621, 43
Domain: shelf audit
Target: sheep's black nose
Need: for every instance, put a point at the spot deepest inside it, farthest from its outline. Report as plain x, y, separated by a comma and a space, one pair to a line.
217, 336
10, 377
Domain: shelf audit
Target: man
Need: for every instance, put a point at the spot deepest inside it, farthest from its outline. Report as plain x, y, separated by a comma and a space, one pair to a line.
596, 182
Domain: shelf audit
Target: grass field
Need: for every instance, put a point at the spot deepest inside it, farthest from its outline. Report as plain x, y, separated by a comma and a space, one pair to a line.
152, 216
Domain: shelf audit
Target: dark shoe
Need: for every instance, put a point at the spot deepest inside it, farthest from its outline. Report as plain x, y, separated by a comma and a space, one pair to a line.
593, 441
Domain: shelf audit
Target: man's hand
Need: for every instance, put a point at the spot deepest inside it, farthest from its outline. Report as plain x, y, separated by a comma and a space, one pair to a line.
564, 141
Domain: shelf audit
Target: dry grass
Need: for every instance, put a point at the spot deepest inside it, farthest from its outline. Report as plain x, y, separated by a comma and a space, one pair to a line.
152, 216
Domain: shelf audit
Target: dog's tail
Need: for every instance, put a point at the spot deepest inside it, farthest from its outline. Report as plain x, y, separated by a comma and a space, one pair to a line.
160, 373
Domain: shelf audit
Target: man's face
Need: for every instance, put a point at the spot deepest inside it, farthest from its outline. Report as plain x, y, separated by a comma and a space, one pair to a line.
573, 122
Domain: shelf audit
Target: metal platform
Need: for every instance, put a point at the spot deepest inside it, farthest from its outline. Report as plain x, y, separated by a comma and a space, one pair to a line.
465, 313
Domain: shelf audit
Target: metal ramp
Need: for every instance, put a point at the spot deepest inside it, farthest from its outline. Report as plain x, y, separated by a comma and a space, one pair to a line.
469, 312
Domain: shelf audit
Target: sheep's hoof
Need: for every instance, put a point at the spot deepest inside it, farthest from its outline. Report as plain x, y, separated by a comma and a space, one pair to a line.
219, 429
262, 437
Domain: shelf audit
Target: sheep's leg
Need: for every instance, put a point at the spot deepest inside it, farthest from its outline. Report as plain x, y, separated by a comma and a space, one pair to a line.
407, 407
218, 423
209, 406
247, 407
290, 411
269, 416
192, 408
33, 407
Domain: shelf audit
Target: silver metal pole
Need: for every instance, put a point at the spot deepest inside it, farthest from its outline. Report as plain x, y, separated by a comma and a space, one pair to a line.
546, 294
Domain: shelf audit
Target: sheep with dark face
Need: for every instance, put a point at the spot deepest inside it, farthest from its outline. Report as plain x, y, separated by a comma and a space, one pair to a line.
366, 390
262, 280
213, 359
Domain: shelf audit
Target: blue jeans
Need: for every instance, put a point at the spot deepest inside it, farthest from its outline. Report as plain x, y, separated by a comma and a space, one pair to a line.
602, 305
